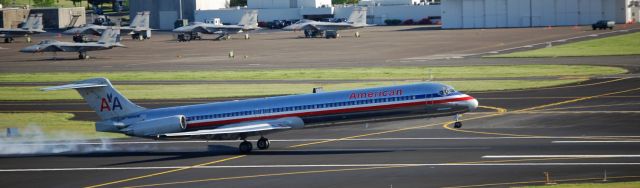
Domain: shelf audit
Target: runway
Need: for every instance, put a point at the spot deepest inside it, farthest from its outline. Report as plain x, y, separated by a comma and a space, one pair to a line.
576, 133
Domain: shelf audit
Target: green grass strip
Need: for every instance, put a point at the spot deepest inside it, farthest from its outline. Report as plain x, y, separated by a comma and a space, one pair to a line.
383, 73
249, 90
628, 44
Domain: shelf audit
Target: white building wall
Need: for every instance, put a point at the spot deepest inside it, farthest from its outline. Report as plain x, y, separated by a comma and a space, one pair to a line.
376, 15
268, 4
211, 4
313, 3
389, 2
527, 13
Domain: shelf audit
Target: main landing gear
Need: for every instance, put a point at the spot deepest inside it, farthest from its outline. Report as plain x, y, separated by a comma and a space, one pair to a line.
457, 124
246, 146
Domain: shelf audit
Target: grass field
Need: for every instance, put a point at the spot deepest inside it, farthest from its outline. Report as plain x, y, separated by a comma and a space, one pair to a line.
55, 126
248, 90
412, 73
592, 185
628, 44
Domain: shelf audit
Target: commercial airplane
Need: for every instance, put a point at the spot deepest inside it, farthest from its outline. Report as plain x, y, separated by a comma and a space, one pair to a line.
31, 26
256, 117
357, 19
248, 22
110, 38
138, 29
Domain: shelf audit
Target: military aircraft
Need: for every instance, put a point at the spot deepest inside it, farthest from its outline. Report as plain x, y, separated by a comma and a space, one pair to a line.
357, 19
138, 29
110, 38
31, 26
240, 119
248, 22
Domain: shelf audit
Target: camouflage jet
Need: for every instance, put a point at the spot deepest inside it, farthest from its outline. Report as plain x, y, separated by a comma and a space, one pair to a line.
248, 22
138, 29
110, 38
31, 26
357, 19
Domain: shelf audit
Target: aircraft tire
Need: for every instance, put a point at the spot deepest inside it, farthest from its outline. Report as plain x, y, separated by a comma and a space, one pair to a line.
82, 55
263, 143
6, 40
457, 125
245, 147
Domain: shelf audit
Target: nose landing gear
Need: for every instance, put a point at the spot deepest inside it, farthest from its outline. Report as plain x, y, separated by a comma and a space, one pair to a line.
457, 124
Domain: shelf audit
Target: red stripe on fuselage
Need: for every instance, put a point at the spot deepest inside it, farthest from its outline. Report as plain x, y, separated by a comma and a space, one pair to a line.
325, 112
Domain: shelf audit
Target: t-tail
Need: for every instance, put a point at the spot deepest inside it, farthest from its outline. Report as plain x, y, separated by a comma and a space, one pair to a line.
358, 16
33, 22
110, 36
105, 100
249, 20
141, 20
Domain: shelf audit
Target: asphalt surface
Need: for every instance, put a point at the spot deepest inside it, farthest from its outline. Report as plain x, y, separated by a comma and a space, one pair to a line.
577, 133
378, 46
399, 153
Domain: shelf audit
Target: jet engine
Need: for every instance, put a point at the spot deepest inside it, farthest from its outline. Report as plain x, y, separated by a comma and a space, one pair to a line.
157, 126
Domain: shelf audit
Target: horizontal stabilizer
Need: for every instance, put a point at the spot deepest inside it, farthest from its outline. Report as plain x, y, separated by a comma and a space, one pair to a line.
232, 129
74, 86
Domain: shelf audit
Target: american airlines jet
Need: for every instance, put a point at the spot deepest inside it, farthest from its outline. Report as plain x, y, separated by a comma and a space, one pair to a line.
240, 119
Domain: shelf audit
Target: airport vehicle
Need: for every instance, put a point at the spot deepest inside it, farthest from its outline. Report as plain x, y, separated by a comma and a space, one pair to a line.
248, 22
110, 38
31, 26
357, 19
138, 29
603, 24
240, 119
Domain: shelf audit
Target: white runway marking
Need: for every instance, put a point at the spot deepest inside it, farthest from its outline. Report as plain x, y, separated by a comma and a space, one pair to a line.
315, 166
321, 139
595, 141
557, 156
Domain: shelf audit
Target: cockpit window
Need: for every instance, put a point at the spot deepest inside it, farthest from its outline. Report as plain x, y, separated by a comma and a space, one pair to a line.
447, 90
44, 42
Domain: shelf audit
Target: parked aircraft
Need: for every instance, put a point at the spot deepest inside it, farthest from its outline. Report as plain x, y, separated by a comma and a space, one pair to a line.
110, 38
138, 29
357, 19
248, 22
32, 25
256, 117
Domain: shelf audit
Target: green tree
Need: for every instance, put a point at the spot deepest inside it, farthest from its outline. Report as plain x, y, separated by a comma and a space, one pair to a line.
76, 2
344, 2
44, 3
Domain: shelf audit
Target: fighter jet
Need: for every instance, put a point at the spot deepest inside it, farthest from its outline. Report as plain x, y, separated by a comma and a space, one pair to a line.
138, 29
249, 21
239, 119
357, 19
31, 26
110, 38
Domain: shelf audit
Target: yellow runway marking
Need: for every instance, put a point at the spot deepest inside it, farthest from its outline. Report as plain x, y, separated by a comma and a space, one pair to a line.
541, 181
500, 110
166, 172
265, 175
560, 87
576, 100
593, 106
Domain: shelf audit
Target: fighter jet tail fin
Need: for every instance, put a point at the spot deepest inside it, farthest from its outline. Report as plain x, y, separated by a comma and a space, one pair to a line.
141, 20
105, 100
249, 19
358, 16
33, 22
110, 36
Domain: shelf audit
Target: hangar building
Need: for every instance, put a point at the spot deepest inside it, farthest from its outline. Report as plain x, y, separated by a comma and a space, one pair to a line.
531, 13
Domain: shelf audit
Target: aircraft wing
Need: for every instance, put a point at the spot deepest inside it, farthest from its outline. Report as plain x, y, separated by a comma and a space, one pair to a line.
233, 129
52, 48
84, 30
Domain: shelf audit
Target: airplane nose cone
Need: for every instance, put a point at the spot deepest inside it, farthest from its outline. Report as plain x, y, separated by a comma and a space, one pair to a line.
472, 104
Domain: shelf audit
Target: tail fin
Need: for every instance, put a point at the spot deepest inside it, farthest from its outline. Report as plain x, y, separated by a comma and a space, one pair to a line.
249, 19
33, 22
141, 20
110, 36
358, 16
102, 97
